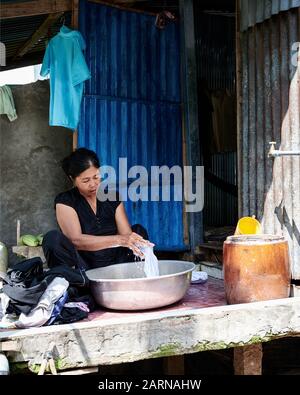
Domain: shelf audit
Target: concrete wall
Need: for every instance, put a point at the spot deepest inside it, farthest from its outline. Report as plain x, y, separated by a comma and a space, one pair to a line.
30, 151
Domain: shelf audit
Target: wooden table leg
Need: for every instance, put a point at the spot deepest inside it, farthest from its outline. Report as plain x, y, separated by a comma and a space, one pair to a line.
248, 360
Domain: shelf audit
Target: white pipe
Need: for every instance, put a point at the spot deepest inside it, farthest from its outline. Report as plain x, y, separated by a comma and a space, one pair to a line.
4, 365
275, 153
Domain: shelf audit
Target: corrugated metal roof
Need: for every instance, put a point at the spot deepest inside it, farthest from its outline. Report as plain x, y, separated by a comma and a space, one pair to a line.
257, 11
132, 106
16, 31
270, 188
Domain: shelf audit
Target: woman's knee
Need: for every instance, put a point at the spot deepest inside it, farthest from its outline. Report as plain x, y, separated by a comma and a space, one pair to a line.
52, 239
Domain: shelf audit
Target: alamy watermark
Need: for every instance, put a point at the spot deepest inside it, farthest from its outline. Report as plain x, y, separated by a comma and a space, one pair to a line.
296, 53
160, 184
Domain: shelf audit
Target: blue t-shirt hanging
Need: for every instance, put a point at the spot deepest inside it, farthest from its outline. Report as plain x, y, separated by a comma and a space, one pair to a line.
68, 70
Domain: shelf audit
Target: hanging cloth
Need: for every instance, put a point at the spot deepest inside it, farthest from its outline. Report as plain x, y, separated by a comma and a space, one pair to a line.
7, 105
65, 62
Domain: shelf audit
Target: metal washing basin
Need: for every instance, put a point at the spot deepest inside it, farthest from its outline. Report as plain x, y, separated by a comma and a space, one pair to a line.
125, 287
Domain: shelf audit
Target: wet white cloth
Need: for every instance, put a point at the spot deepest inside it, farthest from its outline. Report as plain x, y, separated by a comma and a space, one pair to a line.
151, 268
199, 277
42, 312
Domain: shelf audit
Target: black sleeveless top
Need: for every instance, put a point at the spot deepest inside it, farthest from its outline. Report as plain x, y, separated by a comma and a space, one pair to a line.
100, 224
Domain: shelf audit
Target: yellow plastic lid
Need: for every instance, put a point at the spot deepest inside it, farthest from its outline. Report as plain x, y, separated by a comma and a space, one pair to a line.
248, 226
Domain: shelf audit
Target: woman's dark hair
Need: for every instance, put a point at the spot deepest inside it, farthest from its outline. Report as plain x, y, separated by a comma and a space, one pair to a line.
78, 161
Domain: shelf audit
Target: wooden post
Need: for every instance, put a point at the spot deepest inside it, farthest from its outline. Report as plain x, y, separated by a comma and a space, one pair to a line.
185, 220
75, 26
248, 360
173, 366
190, 100
18, 231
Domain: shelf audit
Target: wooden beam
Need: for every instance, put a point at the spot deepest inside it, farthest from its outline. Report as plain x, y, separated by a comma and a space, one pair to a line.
38, 34
75, 21
127, 2
174, 366
248, 360
190, 106
29, 60
31, 8
10, 345
77, 372
122, 7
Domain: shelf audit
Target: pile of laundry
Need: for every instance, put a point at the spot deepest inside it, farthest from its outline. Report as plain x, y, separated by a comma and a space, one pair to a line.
33, 297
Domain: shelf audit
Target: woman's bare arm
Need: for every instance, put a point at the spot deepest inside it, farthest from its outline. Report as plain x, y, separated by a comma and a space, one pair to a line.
68, 222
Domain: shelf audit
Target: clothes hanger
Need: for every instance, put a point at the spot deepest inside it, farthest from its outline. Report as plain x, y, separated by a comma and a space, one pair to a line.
62, 20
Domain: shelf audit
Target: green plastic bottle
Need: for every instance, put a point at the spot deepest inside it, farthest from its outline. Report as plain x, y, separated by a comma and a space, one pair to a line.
3, 258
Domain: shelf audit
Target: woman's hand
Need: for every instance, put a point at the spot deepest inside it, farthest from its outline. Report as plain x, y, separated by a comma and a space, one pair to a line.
133, 242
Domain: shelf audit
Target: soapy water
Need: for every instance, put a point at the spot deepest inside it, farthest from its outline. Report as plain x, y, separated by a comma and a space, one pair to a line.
151, 268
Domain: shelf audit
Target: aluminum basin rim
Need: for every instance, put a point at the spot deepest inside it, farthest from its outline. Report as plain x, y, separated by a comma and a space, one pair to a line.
104, 280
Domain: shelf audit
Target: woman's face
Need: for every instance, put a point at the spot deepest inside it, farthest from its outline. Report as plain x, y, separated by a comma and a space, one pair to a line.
88, 181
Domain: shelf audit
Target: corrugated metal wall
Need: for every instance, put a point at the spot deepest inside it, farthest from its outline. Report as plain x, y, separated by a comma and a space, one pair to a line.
221, 207
257, 11
215, 47
131, 106
270, 188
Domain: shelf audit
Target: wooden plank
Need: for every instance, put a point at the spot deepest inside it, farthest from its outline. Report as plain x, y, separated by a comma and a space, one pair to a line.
248, 360
76, 372
122, 7
75, 13
29, 252
208, 246
38, 34
12, 345
29, 60
37, 7
174, 365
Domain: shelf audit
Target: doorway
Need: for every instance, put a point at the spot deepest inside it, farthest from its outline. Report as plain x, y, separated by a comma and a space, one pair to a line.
215, 39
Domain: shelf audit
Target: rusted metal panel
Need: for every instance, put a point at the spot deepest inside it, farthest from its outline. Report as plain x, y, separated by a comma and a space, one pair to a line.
270, 90
257, 11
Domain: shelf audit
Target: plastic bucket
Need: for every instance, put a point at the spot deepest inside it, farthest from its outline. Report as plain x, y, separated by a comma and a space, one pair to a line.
248, 226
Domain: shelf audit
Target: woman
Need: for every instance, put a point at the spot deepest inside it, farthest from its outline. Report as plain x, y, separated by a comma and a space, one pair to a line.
92, 231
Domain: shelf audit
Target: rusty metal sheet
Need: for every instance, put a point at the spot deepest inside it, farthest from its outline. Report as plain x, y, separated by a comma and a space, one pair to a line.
270, 90
257, 11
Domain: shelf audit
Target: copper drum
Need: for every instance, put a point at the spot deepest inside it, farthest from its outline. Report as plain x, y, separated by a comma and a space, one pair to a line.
256, 267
